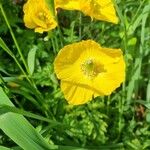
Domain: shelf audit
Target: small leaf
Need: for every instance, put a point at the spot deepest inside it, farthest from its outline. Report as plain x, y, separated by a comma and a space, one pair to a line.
31, 59
5, 48
132, 41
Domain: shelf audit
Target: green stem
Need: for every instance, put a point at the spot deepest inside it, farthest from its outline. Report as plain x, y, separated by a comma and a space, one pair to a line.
80, 26
13, 36
108, 103
2, 80
26, 76
60, 33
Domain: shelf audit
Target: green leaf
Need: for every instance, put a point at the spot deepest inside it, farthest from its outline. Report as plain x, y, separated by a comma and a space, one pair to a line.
132, 41
20, 130
6, 109
4, 47
31, 59
4, 148
147, 92
148, 117
136, 23
145, 103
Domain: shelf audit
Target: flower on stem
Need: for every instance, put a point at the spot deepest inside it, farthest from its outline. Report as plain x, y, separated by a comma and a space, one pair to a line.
98, 9
38, 16
87, 70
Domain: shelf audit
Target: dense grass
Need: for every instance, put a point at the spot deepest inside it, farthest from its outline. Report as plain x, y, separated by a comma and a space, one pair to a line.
119, 121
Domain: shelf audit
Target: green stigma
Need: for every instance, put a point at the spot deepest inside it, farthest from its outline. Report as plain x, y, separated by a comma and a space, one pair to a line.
89, 68
89, 65
42, 16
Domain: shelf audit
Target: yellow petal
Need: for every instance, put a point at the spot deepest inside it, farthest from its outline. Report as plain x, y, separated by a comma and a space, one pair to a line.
76, 94
66, 59
111, 79
27, 17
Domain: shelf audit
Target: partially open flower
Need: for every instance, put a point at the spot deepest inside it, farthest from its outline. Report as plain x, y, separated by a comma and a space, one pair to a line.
98, 9
87, 70
68, 4
38, 16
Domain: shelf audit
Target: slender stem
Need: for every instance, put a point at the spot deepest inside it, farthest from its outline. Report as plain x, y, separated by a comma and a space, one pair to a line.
1, 79
61, 36
13, 36
60, 33
2, 82
53, 45
80, 25
108, 103
26, 76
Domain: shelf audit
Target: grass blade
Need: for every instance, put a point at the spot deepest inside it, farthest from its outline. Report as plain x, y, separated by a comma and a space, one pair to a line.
6, 109
4, 148
20, 130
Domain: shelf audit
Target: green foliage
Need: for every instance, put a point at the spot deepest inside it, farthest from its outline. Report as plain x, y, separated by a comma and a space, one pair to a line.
120, 121
87, 123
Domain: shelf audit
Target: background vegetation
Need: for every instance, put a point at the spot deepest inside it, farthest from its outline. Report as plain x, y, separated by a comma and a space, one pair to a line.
119, 121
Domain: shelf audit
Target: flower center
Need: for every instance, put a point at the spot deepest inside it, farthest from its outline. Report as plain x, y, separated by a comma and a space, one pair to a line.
42, 16
90, 69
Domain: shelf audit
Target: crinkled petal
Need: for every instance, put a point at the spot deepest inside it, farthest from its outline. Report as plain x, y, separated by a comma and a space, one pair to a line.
76, 94
65, 62
108, 81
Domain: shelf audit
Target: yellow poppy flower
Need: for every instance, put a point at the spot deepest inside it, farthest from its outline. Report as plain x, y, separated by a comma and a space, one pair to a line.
87, 70
38, 16
98, 9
